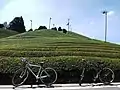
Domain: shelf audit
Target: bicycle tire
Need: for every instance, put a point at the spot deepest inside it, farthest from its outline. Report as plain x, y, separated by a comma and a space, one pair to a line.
48, 79
20, 77
106, 76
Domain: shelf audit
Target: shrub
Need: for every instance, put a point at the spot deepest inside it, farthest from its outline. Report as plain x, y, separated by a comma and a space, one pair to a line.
42, 27
54, 28
30, 30
64, 31
59, 29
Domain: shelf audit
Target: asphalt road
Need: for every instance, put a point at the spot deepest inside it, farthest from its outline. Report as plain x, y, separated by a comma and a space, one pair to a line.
115, 86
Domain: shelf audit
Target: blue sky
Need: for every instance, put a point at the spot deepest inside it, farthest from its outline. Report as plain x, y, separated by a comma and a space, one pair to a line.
86, 16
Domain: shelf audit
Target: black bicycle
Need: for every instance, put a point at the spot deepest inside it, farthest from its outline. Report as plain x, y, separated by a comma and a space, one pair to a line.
105, 75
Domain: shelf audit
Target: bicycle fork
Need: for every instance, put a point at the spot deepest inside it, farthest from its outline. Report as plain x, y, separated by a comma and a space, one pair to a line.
97, 75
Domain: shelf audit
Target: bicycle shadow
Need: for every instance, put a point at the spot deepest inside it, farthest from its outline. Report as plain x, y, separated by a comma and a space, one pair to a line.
100, 84
33, 86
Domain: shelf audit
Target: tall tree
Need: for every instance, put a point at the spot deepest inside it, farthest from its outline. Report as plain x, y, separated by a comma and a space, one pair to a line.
17, 24
1, 25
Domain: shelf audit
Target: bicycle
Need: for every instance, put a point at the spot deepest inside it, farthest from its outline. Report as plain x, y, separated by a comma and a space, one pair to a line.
48, 76
105, 75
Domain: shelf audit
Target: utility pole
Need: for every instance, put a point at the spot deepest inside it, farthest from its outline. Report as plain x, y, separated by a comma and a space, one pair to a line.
53, 25
50, 22
68, 24
105, 13
31, 23
70, 28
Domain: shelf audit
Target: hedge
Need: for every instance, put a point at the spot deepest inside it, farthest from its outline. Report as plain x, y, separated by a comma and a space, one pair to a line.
68, 67
10, 64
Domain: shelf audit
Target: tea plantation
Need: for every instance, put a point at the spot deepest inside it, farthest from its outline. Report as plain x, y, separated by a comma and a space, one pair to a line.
63, 52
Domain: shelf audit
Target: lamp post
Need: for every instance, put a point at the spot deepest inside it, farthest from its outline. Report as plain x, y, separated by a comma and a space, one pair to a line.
31, 23
105, 13
68, 24
53, 25
49, 22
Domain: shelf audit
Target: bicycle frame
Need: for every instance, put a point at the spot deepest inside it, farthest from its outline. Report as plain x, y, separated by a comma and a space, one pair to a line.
97, 75
94, 79
39, 71
82, 74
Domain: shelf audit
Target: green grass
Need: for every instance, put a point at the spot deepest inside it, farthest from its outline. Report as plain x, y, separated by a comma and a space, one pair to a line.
6, 33
56, 46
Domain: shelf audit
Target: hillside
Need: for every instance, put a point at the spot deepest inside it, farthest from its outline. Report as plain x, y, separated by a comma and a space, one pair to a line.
49, 43
6, 33
58, 50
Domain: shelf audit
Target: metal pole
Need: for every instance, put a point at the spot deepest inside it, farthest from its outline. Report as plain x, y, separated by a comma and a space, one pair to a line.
53, 25
105, 26
68, 24
70, 28
105, 13
50, 22
31, 24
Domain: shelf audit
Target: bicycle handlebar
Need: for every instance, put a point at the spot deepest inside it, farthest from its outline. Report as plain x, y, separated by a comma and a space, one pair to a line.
24, 60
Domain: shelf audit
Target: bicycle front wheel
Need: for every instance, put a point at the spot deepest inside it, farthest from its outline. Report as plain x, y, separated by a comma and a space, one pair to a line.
48, 76
106, 76
20, 77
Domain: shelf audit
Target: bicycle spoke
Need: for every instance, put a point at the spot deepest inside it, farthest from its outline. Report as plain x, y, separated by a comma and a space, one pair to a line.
19, 77
106, 75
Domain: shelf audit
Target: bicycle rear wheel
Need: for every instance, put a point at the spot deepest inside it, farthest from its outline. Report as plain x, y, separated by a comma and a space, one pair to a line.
20, 77
48, 76
106, 76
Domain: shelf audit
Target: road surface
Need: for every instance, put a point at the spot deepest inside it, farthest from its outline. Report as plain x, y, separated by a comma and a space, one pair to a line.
114, 86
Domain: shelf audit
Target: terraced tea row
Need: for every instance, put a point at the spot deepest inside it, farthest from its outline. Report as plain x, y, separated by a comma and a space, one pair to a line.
58, 53
11, 64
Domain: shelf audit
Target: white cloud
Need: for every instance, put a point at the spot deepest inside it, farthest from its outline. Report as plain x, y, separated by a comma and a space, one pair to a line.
37, 10
18, 8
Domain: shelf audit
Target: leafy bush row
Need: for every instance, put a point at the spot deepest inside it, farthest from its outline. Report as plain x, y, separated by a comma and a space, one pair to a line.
48, 47
11, 64
57, 53
65, 49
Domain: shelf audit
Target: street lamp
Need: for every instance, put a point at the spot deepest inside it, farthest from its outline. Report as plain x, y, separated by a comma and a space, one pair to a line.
49, 22
70, 27
68, 24
53, 25
31, 23
105, 13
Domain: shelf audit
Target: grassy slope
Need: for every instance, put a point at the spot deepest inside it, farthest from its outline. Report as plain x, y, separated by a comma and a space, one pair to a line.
5, 33
52, 45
